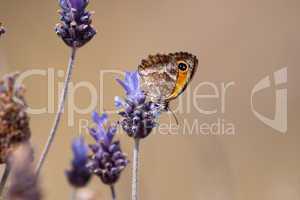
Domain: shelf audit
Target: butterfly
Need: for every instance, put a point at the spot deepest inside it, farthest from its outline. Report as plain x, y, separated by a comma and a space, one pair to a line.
165, 76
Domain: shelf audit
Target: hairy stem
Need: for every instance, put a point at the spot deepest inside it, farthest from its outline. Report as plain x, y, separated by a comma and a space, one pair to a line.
4, 179
59, 113
135, 170
113, 192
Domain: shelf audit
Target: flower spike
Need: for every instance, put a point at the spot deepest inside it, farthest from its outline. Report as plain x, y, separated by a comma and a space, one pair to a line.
75, 28
79, 175
138, 115
107, 160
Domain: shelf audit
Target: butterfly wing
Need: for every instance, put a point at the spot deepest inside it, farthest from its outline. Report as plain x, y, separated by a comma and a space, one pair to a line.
187, 65
162, 76
158, 75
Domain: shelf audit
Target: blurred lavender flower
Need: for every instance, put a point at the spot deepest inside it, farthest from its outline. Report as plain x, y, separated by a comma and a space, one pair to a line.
24, 184
139, 115
2, 30
75, 28
14, 120
108, 160
79, 175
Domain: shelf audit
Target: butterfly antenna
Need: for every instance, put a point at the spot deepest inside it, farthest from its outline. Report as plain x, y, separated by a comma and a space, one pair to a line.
174, 115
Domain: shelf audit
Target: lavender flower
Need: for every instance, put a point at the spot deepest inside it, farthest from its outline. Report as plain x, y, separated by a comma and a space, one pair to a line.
75, 28
108, 160
2, 30
79, 175
14, 120
24, 184
139, 115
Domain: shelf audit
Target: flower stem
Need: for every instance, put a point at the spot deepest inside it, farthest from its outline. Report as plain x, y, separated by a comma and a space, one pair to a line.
59, 113
113, 192
74, 194
135, 170
4, 179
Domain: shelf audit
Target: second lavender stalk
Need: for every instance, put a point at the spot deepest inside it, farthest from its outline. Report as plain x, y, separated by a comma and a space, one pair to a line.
139, 117
75, 30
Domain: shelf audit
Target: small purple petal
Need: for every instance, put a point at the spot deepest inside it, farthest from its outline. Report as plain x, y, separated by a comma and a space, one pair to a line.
94, 147
119, 103
99, 119
131, 84
135, 80
99, 154
78, 5
80, 151
113, 148
124, 85
110, 135
120, 162
95, 134
128, 77
117, 155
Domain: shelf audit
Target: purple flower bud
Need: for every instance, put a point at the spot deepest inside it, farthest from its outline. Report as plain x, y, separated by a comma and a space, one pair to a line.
80, 152
79, 175
119, 103
107, 154
75, 28
136, 120
139, 116
77, 5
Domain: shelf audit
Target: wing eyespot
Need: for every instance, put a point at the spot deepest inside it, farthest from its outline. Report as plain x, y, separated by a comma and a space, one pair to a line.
182, 66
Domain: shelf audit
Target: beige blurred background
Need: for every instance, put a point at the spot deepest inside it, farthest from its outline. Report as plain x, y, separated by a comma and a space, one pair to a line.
236, 41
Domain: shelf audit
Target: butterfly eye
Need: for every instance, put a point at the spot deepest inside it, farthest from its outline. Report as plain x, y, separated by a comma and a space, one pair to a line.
182, 66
